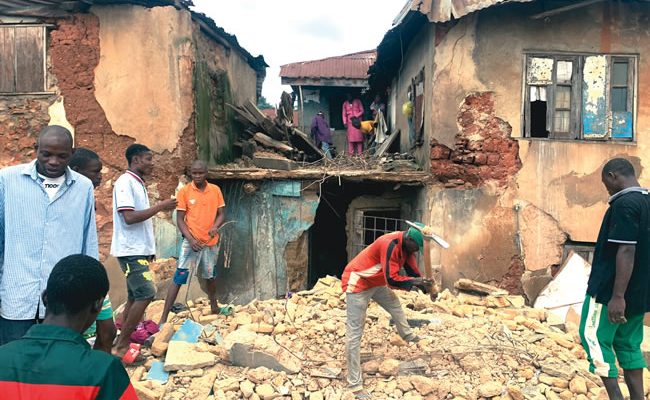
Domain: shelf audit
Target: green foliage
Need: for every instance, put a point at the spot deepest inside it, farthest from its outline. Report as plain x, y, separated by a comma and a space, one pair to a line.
262, 104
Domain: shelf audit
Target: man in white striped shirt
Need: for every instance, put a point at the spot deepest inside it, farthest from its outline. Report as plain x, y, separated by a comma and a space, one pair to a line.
47, 212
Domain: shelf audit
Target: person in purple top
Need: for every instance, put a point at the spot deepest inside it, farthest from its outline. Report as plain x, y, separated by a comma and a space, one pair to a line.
320, 131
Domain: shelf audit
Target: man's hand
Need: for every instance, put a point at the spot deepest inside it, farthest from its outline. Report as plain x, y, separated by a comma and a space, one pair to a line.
616, 310
422, 284
167, 205
213, 231
195, 244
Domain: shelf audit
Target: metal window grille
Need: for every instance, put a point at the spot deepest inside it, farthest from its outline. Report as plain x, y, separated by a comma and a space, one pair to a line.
371, 224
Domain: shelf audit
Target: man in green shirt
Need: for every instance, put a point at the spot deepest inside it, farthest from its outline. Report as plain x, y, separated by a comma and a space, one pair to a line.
53, 360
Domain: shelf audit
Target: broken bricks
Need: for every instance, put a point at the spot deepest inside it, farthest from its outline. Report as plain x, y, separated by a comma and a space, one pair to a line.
185, 356
495, 347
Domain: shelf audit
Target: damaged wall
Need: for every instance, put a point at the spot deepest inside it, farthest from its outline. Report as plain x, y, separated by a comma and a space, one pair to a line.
418, 56
124, 74
220, 77
75, 52
145, 86
476, 114
270, 220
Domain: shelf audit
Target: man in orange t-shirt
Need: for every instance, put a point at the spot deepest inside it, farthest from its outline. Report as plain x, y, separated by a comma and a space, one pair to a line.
199, 215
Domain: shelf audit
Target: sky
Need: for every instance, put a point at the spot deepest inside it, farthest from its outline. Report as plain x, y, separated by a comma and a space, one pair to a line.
287, 31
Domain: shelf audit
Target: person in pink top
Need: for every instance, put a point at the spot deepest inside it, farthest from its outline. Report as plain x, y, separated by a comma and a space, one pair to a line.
352, 108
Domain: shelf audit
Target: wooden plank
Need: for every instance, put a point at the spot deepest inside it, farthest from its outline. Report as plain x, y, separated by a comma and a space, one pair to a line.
30, 76
301, 141
254, 111
270, 142
283, 164
7, 58
243, 115
469, 285
418, 178
386, 144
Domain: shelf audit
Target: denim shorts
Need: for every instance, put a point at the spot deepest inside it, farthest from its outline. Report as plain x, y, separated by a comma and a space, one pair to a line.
202, 262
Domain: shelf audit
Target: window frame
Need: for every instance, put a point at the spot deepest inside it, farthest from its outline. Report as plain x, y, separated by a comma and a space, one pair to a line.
576, 124
44, 32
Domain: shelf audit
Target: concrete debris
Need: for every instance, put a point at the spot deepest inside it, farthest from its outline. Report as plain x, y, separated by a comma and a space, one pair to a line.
566, 290
184, 356
161, 340
480, 347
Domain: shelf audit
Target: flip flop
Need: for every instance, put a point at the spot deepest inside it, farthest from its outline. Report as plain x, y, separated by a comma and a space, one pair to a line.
227, 310
131, 354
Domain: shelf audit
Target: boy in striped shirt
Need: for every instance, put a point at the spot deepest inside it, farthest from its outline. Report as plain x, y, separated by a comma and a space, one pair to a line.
53, 360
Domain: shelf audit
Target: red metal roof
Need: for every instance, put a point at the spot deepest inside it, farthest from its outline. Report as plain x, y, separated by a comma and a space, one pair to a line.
351, 66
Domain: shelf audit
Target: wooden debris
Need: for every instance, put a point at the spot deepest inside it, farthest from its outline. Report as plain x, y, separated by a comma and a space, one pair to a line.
278, 134
270, 142
386, 144
468, 285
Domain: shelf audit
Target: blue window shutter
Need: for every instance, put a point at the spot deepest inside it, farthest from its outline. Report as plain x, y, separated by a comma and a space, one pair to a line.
594, 97
622, 125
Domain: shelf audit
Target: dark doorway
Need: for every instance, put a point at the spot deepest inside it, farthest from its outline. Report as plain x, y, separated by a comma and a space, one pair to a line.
329, 238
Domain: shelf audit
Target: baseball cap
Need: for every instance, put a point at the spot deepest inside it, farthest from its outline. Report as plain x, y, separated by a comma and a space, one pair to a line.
416, 235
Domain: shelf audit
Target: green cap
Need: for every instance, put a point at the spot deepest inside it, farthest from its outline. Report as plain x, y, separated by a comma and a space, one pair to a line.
416, 235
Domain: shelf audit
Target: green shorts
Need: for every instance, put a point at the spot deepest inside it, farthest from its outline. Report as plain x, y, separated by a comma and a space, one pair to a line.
606, 342
139, 281
104, 314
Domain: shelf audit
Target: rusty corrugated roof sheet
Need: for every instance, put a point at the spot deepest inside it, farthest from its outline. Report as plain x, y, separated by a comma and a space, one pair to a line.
350, 66
446, 10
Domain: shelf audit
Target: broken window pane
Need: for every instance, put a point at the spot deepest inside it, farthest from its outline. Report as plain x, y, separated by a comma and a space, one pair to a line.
540, 71
619, 73
538, 119
563, 97
619, 99
561, 121
564, 71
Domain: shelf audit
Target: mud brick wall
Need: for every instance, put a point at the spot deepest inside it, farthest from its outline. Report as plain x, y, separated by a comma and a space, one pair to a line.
484, 150
74, 51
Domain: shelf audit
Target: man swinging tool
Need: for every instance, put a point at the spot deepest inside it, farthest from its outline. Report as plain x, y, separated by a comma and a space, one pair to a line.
369, 276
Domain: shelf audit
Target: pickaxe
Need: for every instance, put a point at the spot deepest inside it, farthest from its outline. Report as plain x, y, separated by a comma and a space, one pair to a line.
429, 236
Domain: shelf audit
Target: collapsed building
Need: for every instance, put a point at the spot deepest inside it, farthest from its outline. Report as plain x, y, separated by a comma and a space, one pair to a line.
524, 102
119, 72
516, 105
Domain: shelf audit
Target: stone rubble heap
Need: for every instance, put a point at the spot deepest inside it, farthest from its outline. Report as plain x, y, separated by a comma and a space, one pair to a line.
472, 347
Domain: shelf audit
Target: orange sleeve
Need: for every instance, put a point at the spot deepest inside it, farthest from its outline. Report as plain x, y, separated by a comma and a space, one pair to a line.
220, 201
181, 198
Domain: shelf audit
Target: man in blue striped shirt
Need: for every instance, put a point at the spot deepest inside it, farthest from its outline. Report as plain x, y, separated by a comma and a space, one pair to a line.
47, 212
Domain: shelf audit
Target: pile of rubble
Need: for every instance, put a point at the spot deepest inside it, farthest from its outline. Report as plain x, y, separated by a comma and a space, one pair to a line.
276, 143
472, 347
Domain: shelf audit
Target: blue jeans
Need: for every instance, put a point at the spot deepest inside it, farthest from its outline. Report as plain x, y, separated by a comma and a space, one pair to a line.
326, 149
11, 329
